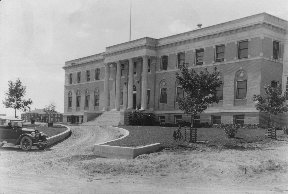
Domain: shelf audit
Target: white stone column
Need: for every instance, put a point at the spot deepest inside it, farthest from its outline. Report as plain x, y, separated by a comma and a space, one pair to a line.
144, 83
118, 80
130, 84
106, 87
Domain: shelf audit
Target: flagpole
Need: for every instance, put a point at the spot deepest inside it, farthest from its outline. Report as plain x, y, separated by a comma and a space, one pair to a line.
130, 21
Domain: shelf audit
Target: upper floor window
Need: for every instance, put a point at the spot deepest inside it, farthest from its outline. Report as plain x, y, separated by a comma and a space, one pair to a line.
122, 69
243, 49
148, 97
219, 53
199, 56
97, 74
276, 49
241, 85
87, 75
149, 65
78, 77
70, 78
180, 59
164, 62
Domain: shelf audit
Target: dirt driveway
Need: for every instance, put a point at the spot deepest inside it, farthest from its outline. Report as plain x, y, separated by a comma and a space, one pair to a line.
60, 169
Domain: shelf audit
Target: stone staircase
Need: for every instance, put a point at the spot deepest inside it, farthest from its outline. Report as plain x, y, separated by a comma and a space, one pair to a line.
108, 118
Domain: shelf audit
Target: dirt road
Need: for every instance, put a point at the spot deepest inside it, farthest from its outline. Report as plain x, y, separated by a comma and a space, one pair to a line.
62, 169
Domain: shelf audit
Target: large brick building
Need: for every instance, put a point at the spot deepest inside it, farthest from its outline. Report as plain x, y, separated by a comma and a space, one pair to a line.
39, 115
140, 74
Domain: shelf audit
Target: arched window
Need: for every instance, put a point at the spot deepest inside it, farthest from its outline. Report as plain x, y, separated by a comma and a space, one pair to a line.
87, 98
69, 99
219, 90
163, 92
241, 84
96, 97
78, 98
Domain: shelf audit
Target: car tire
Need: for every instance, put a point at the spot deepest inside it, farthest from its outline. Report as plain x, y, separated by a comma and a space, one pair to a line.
26, 143
1, 144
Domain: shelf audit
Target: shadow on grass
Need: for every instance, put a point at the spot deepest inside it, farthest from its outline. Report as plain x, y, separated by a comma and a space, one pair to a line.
18, 149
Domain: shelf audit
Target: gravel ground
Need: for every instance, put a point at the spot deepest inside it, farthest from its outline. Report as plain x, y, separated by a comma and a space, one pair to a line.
70, 167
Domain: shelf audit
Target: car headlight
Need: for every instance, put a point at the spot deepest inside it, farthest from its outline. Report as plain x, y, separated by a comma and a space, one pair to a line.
33, 134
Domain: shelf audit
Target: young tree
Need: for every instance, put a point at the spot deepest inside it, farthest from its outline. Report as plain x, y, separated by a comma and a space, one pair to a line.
14, 97
272, 102
200, 90
50, 110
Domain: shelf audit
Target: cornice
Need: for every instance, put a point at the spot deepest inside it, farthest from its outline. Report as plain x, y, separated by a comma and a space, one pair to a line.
74, 65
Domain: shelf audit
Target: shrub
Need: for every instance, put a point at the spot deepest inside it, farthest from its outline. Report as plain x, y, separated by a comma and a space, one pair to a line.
230, 129
142, 118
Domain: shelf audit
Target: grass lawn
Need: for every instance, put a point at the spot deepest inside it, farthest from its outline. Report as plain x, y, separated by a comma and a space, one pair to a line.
143, 135
50, 131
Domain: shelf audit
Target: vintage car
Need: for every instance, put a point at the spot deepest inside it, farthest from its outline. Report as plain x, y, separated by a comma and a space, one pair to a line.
12, 131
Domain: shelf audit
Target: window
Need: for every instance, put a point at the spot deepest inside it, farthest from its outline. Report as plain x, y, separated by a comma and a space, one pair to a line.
179, 92
162, 119
243, 49
78, 77
70, 78
219, 54
238, 119
122, 69
199, 56
177, 119
241, 84
241, 89
78, 99
276, 49
149, 65
148, 97
97, 74
219, 90
180, 59
287, 88
215, 119
87, 98
134, 69
121, 98
70, 99
274, 83
87, 75
163, 95
96, 99
164, 62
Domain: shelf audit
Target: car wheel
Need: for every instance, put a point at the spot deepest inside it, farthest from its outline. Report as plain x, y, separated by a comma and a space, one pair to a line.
1, 144
26, 143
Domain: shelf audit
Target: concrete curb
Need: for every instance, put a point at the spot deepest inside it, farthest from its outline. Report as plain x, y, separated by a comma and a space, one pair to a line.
108, 151
59, 137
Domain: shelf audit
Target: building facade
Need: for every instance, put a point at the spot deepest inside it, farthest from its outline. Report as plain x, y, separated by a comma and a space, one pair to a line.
39, 115
249, 52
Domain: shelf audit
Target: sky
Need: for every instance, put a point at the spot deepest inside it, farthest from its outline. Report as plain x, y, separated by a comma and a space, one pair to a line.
37, 37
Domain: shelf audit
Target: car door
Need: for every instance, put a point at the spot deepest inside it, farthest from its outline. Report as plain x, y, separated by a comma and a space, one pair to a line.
9, 134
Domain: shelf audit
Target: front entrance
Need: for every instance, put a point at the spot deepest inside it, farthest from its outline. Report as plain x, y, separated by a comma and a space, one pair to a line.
134, 100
